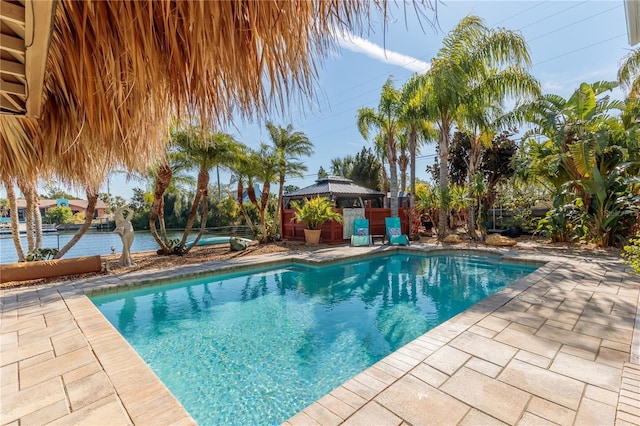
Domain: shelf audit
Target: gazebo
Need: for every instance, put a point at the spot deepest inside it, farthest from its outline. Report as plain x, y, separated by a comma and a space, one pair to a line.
351, 200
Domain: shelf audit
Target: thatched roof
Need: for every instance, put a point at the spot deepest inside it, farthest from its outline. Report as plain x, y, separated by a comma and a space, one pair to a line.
117, 70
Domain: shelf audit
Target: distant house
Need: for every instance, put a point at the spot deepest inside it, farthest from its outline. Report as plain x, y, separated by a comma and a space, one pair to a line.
76, 206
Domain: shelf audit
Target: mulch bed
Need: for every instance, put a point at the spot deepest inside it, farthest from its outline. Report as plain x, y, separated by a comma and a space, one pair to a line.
152, 261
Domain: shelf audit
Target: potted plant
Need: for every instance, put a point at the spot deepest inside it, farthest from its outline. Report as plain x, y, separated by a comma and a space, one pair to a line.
313, 213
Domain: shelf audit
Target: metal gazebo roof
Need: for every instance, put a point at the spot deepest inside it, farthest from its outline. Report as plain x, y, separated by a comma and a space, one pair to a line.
334, 186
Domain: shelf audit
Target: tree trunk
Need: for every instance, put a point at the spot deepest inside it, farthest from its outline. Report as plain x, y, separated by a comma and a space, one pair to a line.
203, 221
472, 168
38, 219
277, 219
413, 146
403, 163
384, 177
443, 147
393, 171
201, 190
13, 211
92, 199
243, 209
262, 207
27, 191
157, 209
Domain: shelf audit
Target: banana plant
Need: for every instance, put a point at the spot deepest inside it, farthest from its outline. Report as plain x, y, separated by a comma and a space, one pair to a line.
613, 204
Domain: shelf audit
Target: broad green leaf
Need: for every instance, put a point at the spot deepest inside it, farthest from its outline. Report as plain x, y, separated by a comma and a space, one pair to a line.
583, 102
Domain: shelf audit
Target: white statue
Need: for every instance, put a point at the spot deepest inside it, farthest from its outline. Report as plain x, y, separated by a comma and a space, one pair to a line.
124, 228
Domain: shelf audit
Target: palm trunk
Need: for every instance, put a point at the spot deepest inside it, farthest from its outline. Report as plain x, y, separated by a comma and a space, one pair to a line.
243, 209
157, 209
403, 163
92, 199
443, 146
277, 219
472, 168
203, 221
27, 191
38, 219
201, 190
393, 171
13, 211
413, 137
384, 177
264, 199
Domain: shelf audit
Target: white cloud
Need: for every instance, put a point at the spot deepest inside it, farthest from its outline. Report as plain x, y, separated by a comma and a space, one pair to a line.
359, 45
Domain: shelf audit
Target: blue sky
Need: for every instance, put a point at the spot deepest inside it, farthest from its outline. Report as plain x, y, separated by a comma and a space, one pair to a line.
569, 42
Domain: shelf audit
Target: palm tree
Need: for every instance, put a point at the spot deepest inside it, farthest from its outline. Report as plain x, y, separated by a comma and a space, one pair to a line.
461, 73
386, 120
290, 146
342, 166
418, 128
204, 151
13, 211
243, 174
629, 73
251, 168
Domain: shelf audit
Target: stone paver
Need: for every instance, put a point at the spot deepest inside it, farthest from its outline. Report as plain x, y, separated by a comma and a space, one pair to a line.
496, 398
561, 346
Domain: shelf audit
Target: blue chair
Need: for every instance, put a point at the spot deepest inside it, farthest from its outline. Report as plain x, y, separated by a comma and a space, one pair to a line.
394, 232
361, 236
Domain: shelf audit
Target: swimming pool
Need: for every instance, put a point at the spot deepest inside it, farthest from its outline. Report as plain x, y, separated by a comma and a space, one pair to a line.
255, 347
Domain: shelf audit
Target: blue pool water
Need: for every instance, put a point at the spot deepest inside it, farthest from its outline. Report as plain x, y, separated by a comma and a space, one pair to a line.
258, 346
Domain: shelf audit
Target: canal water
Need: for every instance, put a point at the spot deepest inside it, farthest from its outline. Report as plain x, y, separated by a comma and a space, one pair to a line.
91, 243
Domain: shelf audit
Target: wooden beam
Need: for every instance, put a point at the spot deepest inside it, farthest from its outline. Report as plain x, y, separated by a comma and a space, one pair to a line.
13, 88
12, 44
12, 12
40, 17
8, 103
12, 68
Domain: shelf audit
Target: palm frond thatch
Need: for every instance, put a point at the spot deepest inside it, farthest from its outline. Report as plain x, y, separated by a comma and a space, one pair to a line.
117, 70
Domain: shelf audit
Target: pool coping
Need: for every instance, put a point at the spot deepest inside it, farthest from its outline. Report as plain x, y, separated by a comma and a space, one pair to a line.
97, 375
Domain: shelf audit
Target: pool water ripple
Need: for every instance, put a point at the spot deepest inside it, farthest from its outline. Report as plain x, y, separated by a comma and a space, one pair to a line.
257, 347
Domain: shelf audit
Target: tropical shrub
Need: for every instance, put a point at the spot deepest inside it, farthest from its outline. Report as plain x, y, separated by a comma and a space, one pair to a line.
632, 253
314, 212
41, 253
560, 223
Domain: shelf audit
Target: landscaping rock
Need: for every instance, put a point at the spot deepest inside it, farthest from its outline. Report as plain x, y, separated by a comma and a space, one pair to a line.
452, 239
500, 241
237, 244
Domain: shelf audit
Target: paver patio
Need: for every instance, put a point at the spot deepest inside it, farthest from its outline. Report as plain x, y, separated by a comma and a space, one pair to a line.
560, 346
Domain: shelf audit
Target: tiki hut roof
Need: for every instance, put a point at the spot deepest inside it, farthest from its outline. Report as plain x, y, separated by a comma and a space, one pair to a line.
113, 72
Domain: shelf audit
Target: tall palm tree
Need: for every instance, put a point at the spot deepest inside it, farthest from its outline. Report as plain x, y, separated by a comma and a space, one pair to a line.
469, 54
419, 129
204, 151
290, 146
386, 120
479, 112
